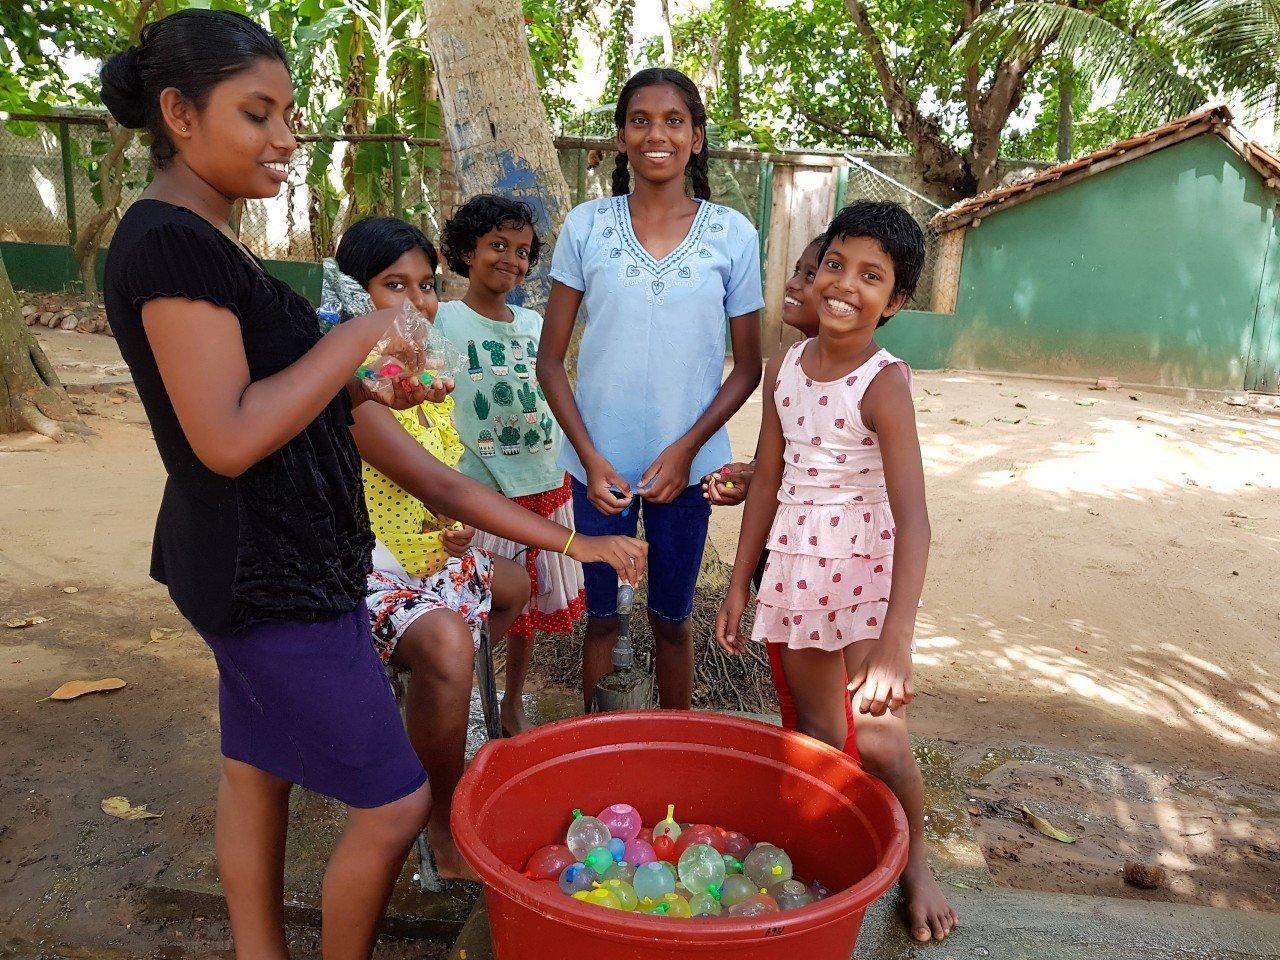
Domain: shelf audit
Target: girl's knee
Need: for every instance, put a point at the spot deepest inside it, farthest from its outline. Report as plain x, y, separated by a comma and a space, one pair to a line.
439, 645
886, 754
828, 731
511, 584
396, 824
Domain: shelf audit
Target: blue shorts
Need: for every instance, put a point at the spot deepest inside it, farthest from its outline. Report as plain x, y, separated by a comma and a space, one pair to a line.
677, 535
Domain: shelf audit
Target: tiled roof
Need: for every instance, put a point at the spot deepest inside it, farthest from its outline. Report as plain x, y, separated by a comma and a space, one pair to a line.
1214, 120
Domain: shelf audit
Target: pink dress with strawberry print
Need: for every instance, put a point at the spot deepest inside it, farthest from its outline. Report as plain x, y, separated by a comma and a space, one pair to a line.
826, 583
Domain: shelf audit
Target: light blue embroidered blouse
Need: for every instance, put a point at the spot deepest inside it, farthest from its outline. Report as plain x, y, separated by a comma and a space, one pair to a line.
653, 347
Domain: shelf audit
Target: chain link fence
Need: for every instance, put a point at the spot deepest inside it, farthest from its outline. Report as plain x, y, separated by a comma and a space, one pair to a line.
50, 165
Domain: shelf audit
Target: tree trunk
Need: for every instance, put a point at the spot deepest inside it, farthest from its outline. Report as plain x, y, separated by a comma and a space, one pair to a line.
501, 143
356, 121
494, 118
111, 179
1066, 98
738, 17
618, 51
31, 396
111, 182
668, 42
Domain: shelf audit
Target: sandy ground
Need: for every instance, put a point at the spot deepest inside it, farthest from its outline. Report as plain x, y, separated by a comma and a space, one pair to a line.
1098, 642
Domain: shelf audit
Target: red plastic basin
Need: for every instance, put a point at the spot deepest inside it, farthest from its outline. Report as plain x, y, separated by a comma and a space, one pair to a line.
841, 826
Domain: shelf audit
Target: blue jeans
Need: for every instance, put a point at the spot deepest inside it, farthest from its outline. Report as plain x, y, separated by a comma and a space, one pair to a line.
677, 535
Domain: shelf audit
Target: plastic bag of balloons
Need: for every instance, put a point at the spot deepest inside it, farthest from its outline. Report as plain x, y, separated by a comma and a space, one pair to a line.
341, 297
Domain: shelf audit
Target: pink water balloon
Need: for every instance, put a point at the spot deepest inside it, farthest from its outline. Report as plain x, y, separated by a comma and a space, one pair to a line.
623, 821
639, 852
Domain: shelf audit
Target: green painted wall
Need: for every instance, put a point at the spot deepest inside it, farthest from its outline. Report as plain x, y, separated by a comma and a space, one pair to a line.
47, 268
1150, 272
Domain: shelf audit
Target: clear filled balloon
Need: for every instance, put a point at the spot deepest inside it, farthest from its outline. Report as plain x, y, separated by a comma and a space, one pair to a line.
700, 868
704, 905
761, 903
576, 878
767, 865
736, 889
584, 834
792, 895
668, 827
654, 881
547, 863
622, 820
621, 871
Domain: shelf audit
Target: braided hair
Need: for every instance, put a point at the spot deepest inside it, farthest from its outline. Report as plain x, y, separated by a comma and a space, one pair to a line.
698, 168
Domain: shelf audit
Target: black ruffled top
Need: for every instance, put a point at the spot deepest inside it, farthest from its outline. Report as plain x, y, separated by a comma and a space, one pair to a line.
289, 539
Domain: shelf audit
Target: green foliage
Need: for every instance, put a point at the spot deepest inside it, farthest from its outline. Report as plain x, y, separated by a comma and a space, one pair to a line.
481, 404
503, 395
553, 28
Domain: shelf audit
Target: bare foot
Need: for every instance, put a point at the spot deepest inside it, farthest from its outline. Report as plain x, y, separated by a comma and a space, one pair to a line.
514, 720
449, 862
929, 915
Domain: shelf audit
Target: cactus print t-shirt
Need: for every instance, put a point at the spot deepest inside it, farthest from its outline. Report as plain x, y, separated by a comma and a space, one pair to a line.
513, 442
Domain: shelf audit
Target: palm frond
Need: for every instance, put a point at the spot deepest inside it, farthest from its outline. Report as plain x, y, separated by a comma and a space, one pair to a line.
1100, 52
1237, 40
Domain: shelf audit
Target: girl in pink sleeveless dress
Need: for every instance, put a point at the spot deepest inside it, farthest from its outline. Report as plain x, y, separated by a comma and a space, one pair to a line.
838, 497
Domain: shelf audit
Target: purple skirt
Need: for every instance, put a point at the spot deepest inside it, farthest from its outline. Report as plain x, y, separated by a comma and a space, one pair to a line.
309, 703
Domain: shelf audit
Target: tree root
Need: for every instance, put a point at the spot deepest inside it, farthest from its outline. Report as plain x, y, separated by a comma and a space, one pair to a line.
720, 681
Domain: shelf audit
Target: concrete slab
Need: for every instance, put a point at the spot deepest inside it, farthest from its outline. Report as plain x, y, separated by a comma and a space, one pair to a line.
1023, 925
189, 886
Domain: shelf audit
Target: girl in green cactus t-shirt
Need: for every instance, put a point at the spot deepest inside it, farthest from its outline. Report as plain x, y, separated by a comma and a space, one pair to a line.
512, 440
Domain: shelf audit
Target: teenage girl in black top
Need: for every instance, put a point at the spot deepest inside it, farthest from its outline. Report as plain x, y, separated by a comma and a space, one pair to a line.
262, 536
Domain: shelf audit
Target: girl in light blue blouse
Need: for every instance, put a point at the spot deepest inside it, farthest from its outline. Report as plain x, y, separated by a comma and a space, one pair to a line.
657, 274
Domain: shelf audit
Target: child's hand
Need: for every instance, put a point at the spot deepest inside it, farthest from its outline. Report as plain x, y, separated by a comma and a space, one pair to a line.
882, 682
729, 622
668, 476
457, 539
728, 486
402, 394
438, 389
626, 555
602, 481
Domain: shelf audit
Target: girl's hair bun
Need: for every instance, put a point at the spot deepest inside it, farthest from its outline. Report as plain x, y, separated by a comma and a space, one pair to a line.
122, 90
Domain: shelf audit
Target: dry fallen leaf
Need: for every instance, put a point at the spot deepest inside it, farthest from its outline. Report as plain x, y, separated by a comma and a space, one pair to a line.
1237, 515
1020, 405
25, 622
1047, 828
164, 633
70, 589
1086, 403
961, 421
121, 808
78, 688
